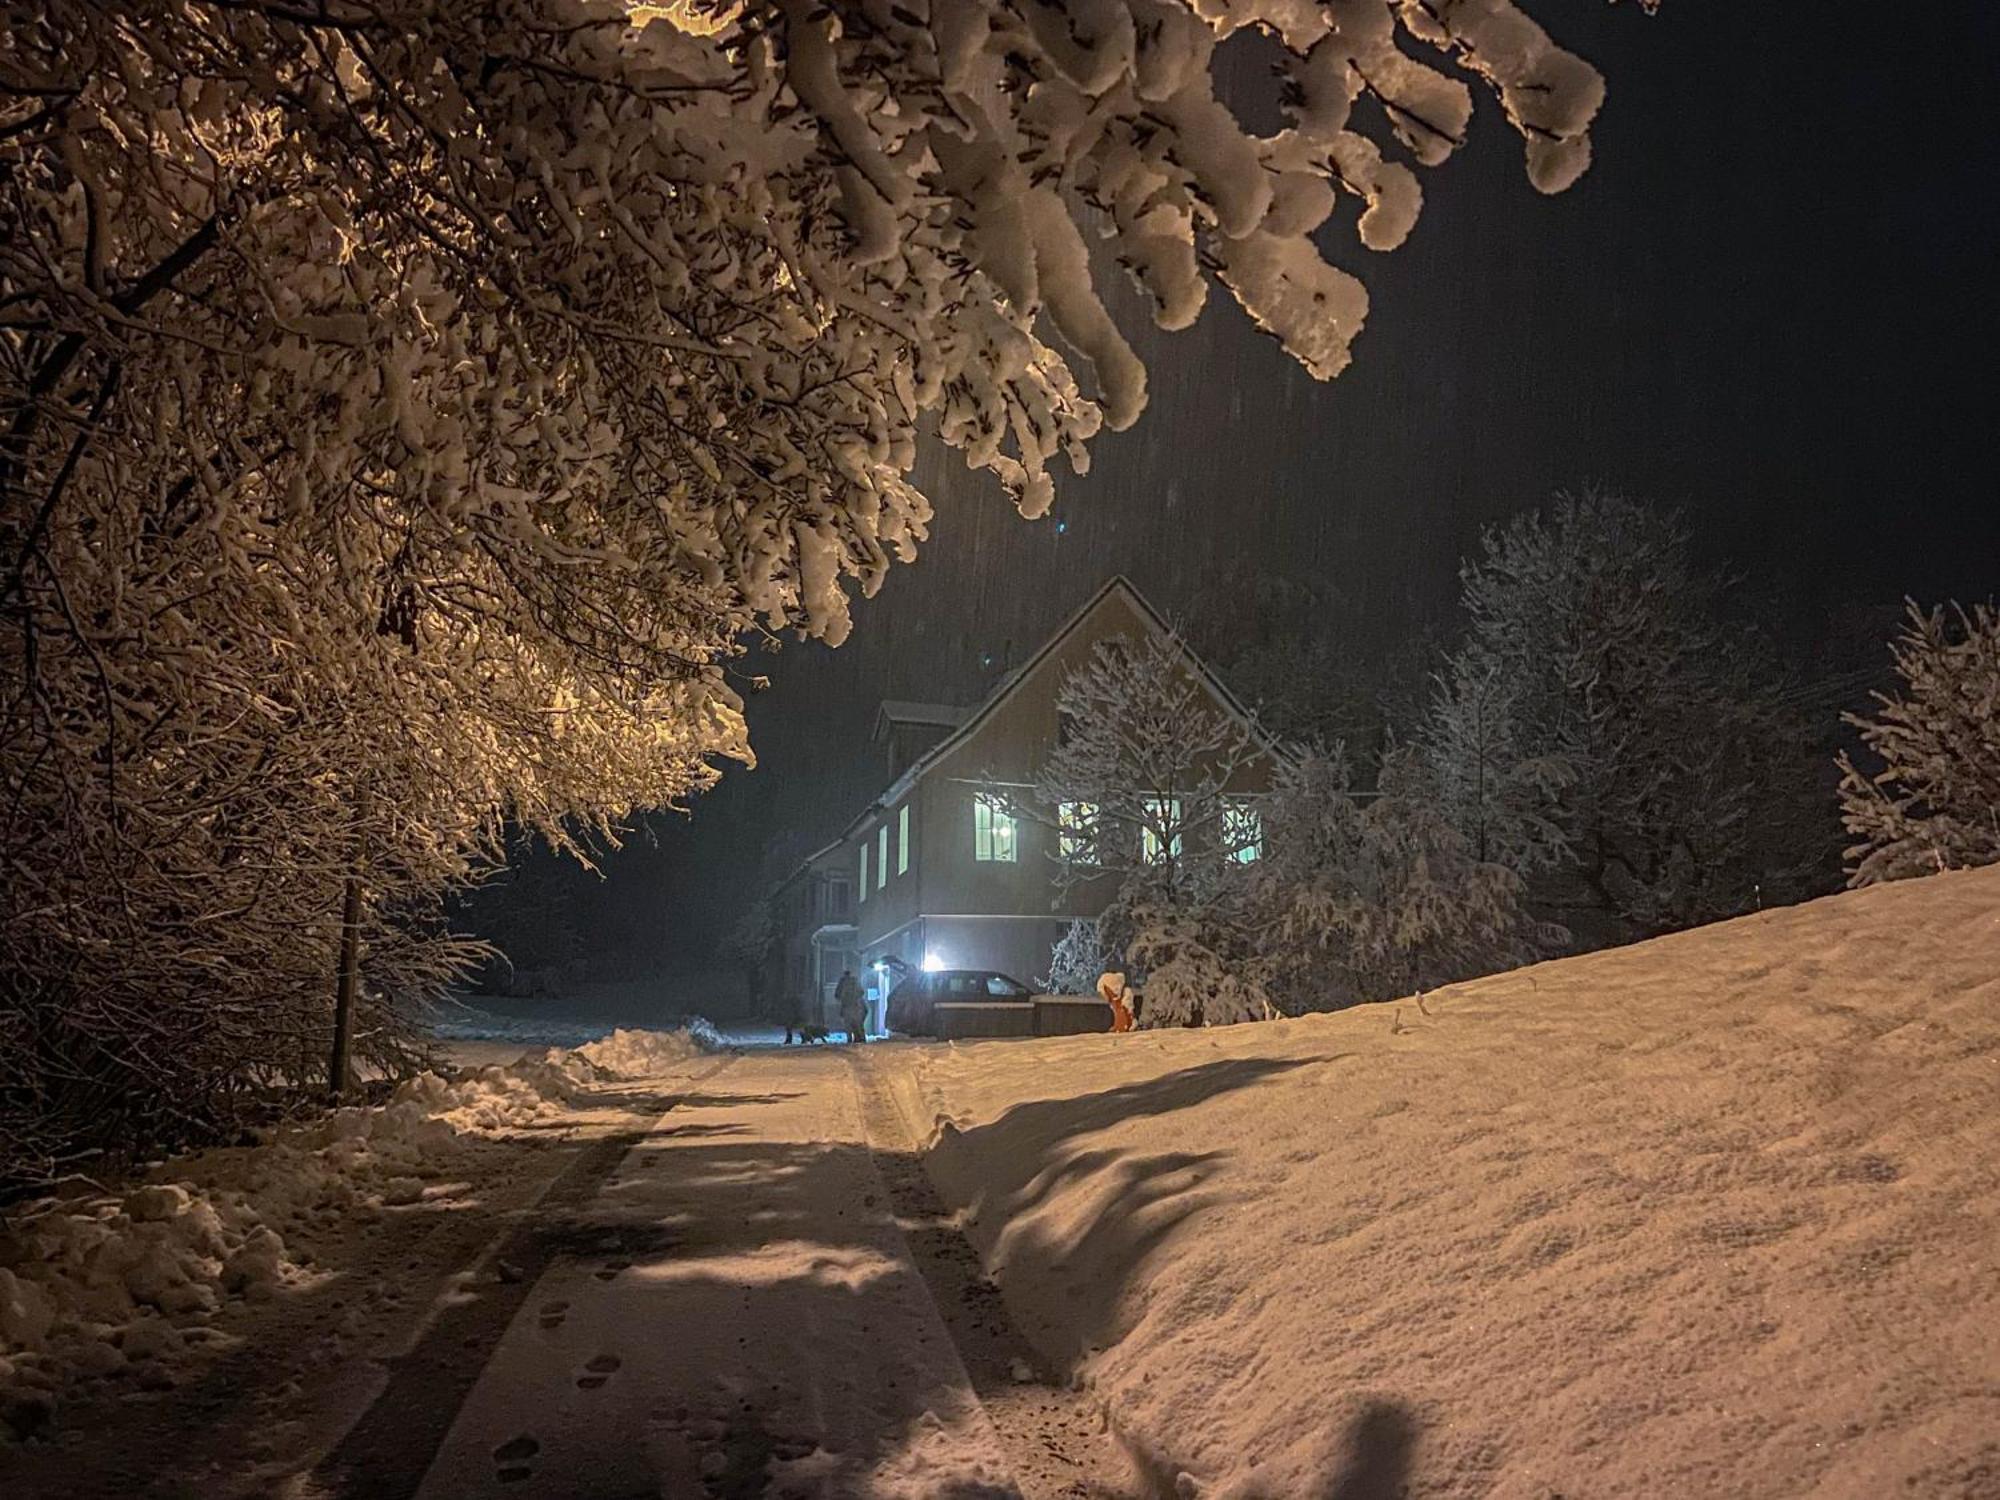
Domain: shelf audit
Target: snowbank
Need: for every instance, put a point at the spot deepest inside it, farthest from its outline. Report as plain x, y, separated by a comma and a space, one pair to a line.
1711, 1215
642, 1054
123, 1281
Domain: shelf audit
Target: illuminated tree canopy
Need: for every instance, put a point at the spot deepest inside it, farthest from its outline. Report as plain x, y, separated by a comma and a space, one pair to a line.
408, 406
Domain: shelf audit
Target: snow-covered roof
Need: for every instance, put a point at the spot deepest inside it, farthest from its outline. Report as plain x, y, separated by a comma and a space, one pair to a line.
904, 711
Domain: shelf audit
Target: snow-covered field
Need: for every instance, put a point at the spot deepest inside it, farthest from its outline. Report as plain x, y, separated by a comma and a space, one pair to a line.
124, 1285
1715, 1215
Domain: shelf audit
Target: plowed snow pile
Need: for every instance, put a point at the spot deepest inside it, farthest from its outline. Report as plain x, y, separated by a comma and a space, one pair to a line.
1715, 1215
96, 1285
642, 1054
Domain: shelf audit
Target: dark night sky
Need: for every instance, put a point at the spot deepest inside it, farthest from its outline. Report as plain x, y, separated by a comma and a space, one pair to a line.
1770, 303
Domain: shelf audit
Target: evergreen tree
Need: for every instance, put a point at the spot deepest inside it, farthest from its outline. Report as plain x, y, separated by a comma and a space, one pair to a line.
1935, 802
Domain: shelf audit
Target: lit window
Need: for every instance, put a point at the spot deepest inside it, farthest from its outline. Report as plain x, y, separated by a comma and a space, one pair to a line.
881, 856
1243, 833
1160, 839
903, 839
993, 834
1076, 832
861, 891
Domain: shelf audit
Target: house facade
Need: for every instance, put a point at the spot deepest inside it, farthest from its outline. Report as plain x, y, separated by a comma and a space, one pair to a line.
815, 939
935, 873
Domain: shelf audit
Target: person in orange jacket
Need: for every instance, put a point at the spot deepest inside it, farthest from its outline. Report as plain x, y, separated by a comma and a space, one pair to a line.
1111, 989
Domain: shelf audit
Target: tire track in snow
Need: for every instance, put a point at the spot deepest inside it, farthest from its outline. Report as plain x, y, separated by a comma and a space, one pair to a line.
1055, 1433
385, 1454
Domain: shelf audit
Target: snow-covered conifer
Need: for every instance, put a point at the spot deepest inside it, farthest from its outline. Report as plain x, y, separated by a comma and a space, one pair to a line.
1501, 797
1935, 802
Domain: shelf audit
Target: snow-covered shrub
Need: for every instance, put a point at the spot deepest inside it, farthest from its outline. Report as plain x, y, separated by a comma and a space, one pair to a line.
1368, 897
1077, 960
1199, 970
1935, 803
1357, 896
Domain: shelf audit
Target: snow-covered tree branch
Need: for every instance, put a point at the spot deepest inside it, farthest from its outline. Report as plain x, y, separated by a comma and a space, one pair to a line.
405, 407
1147, 779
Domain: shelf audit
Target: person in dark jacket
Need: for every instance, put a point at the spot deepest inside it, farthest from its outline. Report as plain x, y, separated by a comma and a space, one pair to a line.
853, 1009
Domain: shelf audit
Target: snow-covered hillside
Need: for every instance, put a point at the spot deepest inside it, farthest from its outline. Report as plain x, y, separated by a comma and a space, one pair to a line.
1715, 1215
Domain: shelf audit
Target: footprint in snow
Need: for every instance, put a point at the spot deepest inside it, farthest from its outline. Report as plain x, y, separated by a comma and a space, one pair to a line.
611, 1268
600, 1369
511, 1459
553, 1314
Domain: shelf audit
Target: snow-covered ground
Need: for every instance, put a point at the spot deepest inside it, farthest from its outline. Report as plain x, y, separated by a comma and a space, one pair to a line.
1715, 1215
755, 1328
124, 1286
474, 1035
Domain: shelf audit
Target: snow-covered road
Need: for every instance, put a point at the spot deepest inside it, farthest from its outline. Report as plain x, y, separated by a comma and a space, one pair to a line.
738, 1313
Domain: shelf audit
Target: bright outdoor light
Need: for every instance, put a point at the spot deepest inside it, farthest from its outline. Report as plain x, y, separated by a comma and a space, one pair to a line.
932, 963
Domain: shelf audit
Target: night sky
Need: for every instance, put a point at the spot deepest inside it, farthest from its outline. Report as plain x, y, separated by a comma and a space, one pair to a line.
1769, 303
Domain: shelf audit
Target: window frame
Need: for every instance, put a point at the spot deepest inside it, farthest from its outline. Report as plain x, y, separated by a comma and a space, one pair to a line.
861, 890
903, 839
882, 856
996, 833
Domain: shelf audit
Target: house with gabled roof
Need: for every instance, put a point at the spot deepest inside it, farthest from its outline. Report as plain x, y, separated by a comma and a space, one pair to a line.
935, 872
